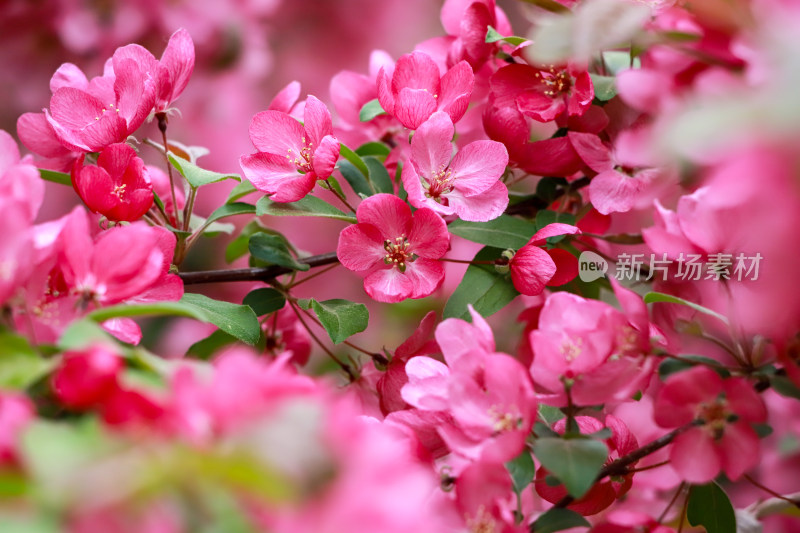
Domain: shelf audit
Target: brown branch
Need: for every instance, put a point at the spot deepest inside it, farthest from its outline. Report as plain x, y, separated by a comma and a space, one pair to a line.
253, 274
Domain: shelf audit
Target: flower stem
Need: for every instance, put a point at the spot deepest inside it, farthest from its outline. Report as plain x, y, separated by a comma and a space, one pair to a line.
253, 274
162, 127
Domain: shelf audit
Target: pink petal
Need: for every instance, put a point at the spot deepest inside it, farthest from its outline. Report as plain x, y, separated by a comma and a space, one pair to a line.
416, 71
111, 128
666, 236
385, 94
566, 267
134, 92
540, 107
633, 306
276, 133
9, 152
386, 212
115, 159
38, 136
413, 107
678, 399
552, 230
360, 247
477, 17
426, 275
416, 194
286, 98
478, 166
582, 93
550, 157
511, 81
389, 285
427, 384
124, 329
613, 192
694, 457
74, 109
317, 121
431, 147
276, 176
452, 13
644, 89
744, 400
325, 156
428, 234
349, 92
592, 150
178, 58
68, 75
739, 449
481, 207
95, 187
456, 90
419, 340
531, 269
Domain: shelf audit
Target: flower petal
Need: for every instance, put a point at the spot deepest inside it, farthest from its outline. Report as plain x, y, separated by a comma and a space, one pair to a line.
428, 234
694, 457
481, 207
316, 121
413, 107
431, 147
531, 269
613, 192
276, 133
386, 212
276, 176
360, 247
325, 156
478, 166
388, 285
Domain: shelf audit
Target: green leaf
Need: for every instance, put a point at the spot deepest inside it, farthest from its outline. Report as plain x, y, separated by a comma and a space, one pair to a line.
522, 470
239, 246
492, 36
547, 217
273, 250
205, 348
482, 286
370, 110
310, 206
196, 176
379, 176
20, 365
229, 210
710, 507
558, 519
237, 320
575, 462
82, 333
604, 87
784, 386
660, 297
61, 178
359, 182
354, 159
373, 148
264, 301
341, 318
671, 365
503, 232
239, 191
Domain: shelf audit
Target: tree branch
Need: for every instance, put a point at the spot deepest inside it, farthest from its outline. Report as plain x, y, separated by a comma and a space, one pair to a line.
253, 274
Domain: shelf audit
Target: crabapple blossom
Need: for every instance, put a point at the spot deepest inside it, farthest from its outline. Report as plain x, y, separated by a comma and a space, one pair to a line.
532, 267
291, 156
395, 251
466, 185
87, 378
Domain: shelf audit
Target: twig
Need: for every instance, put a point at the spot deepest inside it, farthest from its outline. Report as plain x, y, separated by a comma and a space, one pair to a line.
253, 274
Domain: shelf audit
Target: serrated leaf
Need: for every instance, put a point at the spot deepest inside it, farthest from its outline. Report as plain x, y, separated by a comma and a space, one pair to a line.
241, 190
482, 286
575, 462
196, 176
20, 365
237, 320
310, 206
341, 318
604, 87
379, 176
710, 507
558, 519
272, 249
522, 470
61, 178
264, 301
373, 148
503, 232
660, 297
370, 110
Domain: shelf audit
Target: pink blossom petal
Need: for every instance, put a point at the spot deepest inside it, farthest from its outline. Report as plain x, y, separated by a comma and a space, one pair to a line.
678, 399
38, 136
68, 75
481, 207
550, 157
325, 156
385, 94
613, 192
416, 194
426, 275
9, 152
592, 150
116, 158
427, 384
386, 212
287, 97
389, 285
431, 147
75, 109
413, 107
531, 269
694, 457
540, 107
276, 176
360, 247
317, 121
552, 230
566, 267
510, 81
134, 92
478, 166
739, 449
456, 90
744, 400
124, 329
178, 58
416, 71
276, 133
420, 339
582, 93
428, 234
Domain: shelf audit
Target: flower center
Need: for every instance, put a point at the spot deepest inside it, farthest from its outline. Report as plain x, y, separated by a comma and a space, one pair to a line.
438, 184
398, 253
109, 108
119, 191
302, 160
504, 420
482, 522
555, 81
571, 349
716, 416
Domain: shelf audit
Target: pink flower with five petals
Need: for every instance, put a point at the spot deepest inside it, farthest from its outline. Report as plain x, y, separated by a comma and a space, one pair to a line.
395, 251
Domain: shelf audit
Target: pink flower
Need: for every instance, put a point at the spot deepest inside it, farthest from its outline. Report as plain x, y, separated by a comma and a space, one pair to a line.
118, 187
394, 251
284, 333
87, 378
88, 116
543, 93
533, 267
725, 441
171, 73
19, 180
467, 21
466, 185
16, 411
291, 156
415, 90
